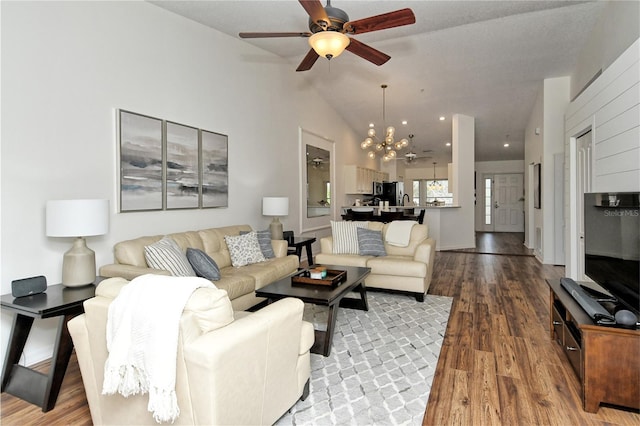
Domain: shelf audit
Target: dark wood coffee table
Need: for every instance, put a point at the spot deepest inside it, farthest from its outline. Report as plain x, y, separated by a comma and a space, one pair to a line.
333, 297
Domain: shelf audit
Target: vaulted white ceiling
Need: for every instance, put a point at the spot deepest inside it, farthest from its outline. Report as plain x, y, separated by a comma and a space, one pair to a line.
485, 59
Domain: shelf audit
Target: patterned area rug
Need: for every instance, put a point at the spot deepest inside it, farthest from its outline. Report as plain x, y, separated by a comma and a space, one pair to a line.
381, 364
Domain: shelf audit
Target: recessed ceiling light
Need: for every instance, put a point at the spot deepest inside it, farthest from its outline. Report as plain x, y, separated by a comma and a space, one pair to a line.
404, 122
442, 118
506, 145
448, 144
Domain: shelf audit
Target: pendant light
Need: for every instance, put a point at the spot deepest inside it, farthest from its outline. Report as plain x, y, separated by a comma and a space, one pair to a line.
387, 147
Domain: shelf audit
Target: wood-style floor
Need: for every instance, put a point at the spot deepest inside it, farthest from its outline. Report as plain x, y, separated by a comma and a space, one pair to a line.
498, 364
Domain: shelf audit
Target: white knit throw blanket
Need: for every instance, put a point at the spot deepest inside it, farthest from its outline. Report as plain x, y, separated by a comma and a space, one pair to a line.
142, 340
399, 232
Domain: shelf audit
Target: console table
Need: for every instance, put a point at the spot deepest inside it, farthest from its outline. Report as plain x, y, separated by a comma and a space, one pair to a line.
605, 359
58, 301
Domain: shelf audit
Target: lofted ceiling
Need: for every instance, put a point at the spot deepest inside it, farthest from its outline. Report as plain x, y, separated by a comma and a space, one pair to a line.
485, 59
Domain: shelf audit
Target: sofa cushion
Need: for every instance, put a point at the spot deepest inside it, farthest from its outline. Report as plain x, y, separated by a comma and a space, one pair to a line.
400, 266
264, 241
370, 242
244, 249
345, 237
167, 255
203, 265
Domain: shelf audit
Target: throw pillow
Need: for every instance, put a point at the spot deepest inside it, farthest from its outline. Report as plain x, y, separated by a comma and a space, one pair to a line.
203, 265
370, 242
166, 254
345, 237
244, 249
264, 241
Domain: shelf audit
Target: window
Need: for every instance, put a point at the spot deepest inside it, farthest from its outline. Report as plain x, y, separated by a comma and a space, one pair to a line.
429, 190
487, 201
327, 191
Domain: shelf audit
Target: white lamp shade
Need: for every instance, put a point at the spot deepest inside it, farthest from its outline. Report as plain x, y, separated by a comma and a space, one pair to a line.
77, 218
329, 44
275, 206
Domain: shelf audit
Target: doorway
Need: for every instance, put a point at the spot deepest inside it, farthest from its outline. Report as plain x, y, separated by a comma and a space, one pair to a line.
503, 202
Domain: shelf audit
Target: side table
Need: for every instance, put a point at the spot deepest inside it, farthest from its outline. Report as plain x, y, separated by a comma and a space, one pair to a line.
299, 242
58, 301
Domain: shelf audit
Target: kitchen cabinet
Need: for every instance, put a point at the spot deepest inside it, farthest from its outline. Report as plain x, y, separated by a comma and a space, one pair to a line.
359, 180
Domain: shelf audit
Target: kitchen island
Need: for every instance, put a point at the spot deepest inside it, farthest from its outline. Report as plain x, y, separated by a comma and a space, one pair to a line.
438, 218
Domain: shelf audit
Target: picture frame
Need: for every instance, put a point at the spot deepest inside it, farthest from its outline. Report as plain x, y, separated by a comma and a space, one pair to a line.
537, 188
182, 171
214, 169
141, 159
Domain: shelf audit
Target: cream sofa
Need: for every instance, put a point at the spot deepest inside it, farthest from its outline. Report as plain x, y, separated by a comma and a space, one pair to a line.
250, 371
240, 283
405, 269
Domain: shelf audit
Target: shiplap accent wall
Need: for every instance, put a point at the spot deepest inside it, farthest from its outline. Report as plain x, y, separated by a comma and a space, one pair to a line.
610, 108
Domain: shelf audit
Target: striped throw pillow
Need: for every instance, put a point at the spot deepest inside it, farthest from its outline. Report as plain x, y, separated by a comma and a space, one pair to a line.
345, 237
166, 254
370, 242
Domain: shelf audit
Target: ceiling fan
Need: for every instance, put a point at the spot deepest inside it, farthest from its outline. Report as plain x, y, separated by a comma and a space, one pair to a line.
328, 26
411, 157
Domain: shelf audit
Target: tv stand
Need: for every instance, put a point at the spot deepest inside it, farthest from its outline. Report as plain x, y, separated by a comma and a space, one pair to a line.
605, 359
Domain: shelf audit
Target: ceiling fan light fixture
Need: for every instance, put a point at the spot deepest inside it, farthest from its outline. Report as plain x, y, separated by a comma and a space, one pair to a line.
329, 44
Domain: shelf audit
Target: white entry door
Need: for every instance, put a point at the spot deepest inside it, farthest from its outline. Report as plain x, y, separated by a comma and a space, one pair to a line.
509, 203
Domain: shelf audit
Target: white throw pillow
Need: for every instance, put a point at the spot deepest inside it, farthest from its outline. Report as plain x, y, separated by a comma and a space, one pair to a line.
166, 254
345, 236
244, 249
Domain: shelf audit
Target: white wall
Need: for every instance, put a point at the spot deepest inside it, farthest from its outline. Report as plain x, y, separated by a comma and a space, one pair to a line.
532, 155
458, 223
610, 108
66, 67
548, 116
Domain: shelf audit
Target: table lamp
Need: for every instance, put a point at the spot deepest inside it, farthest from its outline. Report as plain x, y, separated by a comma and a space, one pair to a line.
276, 207
78, 218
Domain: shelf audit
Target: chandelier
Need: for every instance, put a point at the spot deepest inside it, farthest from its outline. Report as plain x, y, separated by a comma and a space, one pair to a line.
387, 147
435, 185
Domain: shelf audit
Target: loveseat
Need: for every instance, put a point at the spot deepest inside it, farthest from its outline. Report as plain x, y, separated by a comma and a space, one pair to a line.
404, 269
239, 282
232, 367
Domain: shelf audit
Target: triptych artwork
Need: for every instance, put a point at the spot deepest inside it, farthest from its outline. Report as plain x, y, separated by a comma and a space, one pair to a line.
166, 165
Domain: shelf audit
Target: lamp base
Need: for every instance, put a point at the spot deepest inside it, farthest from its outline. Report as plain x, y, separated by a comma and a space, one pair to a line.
276, 229
79, 265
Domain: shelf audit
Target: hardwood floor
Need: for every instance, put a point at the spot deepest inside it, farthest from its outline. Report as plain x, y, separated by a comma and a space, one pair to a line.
511, 243
498, 364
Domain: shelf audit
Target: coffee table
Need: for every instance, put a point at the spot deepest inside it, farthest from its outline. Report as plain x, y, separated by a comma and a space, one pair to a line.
333, 297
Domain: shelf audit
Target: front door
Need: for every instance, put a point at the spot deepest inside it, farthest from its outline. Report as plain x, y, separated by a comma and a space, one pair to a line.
509, 202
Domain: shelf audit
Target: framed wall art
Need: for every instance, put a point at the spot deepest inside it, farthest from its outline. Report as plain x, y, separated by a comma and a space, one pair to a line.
214, 169
182, 186
141, 162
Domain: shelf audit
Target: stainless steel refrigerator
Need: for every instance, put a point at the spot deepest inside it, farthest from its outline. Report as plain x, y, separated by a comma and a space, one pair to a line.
393, 192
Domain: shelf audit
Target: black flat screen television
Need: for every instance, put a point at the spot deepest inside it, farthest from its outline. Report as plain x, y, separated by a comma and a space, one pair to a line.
612, 245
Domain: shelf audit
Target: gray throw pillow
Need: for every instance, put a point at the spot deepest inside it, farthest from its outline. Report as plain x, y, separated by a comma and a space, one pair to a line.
370, 242
264, 241
203, 265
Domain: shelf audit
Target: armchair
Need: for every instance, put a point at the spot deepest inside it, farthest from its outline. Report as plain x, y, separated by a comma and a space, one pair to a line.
250, 371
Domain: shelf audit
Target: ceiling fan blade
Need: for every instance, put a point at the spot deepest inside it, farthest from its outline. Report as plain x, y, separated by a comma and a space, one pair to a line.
316, 12
397, 18
308, 61
268, 35
367, 52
